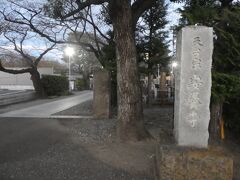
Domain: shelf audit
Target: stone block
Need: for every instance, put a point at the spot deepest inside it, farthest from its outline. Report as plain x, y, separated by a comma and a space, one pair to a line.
101, 94
178, 163
162, 86
193, 86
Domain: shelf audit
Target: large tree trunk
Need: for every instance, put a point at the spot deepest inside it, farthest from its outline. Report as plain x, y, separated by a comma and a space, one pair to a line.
216, 116
114, 102
35, 77
130, 111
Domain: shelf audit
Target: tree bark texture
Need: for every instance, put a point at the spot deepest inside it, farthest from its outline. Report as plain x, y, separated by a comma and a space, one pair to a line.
130, 111
216, 116
37, 84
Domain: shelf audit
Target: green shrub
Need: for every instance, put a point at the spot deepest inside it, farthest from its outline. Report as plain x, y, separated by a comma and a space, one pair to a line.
80, 84
54, 85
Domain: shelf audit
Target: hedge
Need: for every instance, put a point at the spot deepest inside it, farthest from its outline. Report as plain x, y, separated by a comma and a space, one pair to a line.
55, 85
80, 84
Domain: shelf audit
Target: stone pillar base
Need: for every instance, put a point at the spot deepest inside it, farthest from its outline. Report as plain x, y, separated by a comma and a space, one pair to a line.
178, 163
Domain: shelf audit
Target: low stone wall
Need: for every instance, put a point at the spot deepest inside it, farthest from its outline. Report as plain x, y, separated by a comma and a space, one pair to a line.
17, 87
178, 163
16, 97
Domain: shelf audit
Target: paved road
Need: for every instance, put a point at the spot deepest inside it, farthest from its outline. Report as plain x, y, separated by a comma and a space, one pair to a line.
55, 149
47, 109
47, 149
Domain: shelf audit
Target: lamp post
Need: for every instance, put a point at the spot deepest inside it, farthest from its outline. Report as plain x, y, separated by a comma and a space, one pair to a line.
69, 52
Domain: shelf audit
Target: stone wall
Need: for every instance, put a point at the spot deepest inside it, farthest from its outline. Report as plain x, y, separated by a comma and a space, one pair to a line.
177, 163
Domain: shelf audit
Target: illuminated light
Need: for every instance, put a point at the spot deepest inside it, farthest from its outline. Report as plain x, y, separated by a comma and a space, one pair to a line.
174, 64
69, 51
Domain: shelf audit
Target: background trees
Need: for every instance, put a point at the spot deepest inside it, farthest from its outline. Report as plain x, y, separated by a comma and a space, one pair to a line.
151, 40
83, 61
16, 37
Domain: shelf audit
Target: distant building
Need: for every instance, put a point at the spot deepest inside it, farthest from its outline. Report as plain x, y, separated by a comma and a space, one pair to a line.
21, 81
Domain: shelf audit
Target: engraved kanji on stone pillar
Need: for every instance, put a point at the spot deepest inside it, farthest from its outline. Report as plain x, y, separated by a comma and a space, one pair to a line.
193, 86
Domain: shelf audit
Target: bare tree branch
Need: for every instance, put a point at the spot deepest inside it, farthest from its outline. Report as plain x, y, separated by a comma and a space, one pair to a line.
83, 5
29, 23
95, 34
15, 71
19, 50
43, 53
92, 24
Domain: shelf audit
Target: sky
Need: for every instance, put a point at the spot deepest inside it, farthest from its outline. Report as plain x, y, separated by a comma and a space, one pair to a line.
34, 45
173, 18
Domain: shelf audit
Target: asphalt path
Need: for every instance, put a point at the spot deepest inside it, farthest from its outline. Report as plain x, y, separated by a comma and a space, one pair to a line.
47, 109
44, 149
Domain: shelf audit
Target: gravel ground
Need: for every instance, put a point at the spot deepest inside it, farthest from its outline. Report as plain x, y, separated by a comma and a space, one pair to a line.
159, 122
83, 109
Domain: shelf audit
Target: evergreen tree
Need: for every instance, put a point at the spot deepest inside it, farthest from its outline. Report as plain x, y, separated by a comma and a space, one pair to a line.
151, 39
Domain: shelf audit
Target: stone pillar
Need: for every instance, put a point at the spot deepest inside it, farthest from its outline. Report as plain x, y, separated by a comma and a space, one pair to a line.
101, 94
162, 85
193, 86
162, 88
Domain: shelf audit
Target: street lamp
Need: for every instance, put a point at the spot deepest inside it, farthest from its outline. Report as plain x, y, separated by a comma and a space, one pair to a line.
69, 52
174, 64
